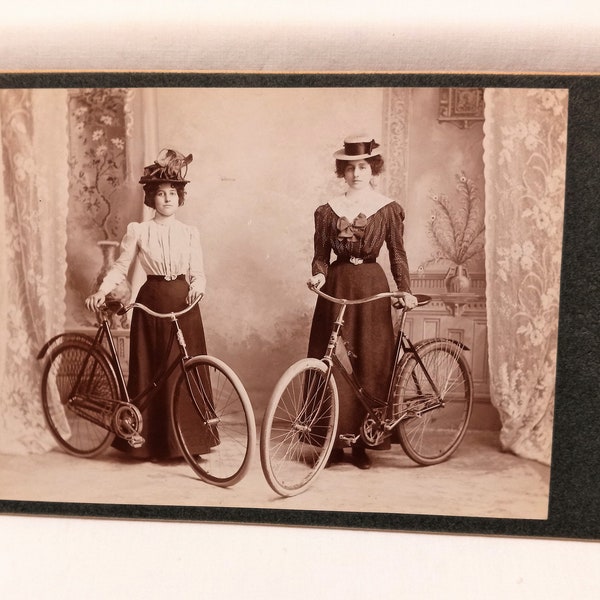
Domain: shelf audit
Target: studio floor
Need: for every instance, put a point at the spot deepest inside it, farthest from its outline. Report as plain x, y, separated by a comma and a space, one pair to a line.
478, 481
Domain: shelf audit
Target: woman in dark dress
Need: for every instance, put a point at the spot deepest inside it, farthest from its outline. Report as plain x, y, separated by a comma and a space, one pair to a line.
354, 226
171, 255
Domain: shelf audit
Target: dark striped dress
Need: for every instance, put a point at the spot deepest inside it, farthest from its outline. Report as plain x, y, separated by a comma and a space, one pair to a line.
368, 330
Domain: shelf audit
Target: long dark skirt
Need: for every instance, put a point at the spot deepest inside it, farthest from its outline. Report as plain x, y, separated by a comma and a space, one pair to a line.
367, 332
148, 348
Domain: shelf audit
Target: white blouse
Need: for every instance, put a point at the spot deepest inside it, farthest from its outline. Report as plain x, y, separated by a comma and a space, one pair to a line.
168, 248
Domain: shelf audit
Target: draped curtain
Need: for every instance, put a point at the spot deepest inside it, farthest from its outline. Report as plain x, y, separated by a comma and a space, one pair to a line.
525, 162
33, 234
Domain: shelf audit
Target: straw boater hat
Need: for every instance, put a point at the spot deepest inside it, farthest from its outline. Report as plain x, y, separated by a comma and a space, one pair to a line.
169, 167
357, 147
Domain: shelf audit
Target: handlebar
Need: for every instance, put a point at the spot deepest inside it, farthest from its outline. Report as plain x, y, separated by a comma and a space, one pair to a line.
121, 309
422, 299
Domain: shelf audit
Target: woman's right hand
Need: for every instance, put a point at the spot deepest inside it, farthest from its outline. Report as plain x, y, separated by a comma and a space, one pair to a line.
316, 281
407, 300
95, 301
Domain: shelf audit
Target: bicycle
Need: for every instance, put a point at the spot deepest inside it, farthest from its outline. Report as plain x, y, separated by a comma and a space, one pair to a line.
86, 403
428, 403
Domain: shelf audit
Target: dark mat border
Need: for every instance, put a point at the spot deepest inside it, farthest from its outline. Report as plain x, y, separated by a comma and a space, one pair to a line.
574, 511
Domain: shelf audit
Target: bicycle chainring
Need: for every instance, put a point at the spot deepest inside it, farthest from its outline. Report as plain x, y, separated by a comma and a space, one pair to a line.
127, 421
372, 431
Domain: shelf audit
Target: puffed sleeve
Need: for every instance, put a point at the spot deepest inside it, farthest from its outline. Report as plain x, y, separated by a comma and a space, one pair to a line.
196, 268
394, 238
128, 251
322, 243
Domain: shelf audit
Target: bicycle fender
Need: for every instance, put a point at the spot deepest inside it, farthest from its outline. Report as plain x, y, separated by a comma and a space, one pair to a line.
429, 341
64, 337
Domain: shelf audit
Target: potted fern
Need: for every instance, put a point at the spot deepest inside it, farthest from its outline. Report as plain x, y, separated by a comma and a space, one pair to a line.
456, 228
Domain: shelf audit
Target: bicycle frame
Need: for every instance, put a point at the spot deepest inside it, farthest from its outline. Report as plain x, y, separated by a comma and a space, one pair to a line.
166, 368
86, 403
403, 347
301, 425
140, 401
104, 333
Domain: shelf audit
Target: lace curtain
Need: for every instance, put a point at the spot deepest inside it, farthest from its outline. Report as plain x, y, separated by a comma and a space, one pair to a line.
33, 233
525, 161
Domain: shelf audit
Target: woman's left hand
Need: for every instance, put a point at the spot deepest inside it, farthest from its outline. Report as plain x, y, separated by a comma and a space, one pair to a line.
193, 295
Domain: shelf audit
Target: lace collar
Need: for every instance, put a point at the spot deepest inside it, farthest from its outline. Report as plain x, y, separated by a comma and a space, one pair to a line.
369, 205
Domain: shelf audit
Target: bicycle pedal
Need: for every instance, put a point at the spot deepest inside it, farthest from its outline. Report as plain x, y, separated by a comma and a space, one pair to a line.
348, 439
136, 441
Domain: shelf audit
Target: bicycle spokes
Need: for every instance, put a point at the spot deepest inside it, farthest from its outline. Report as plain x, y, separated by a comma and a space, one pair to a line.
201, 393
78, 388
432, 401
213, 421
298, 428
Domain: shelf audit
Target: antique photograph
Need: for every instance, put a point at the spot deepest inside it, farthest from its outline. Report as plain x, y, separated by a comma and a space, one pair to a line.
340, 299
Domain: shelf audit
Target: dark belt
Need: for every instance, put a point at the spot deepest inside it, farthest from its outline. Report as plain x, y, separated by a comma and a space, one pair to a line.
348, 260
166, 277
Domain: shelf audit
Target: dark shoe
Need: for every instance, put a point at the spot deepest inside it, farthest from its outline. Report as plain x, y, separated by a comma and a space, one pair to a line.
360, 458
336, 456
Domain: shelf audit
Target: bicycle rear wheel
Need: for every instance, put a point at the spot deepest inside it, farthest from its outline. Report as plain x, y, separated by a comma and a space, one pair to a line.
434, 425
222, 413
299, 425
74, 372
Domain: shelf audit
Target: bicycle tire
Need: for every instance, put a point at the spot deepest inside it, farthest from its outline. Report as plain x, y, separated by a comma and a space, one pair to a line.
433, 436
74, 433
298, 429
233, 430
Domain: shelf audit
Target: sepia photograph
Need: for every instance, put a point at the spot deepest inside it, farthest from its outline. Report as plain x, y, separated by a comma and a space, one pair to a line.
346, 378
295, 298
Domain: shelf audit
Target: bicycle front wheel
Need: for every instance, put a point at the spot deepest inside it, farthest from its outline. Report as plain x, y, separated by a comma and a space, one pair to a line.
211, 407
299, 425
434, 424
76, 380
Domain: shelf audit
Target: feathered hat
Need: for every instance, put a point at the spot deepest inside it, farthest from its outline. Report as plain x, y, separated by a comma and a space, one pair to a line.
169, 167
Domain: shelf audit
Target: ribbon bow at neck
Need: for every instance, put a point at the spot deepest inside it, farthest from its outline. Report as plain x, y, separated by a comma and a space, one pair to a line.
352, 231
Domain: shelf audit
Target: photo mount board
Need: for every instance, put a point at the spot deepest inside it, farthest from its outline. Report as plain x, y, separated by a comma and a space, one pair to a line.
574, 490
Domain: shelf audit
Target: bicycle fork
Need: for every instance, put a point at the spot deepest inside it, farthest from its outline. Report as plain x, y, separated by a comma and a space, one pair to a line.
342, 358
193, 380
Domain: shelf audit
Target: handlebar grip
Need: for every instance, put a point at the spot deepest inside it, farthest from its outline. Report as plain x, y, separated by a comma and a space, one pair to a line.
114, 306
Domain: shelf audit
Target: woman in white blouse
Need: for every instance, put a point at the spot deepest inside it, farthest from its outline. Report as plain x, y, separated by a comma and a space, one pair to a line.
171, 255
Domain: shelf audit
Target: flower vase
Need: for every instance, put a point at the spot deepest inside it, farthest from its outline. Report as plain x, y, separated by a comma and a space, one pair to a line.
122, 292
457, 280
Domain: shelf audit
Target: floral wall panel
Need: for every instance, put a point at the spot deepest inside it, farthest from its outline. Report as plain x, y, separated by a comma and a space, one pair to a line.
103, 197
396, 119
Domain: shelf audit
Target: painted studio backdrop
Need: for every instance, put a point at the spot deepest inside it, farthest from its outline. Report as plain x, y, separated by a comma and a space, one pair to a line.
480, 174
